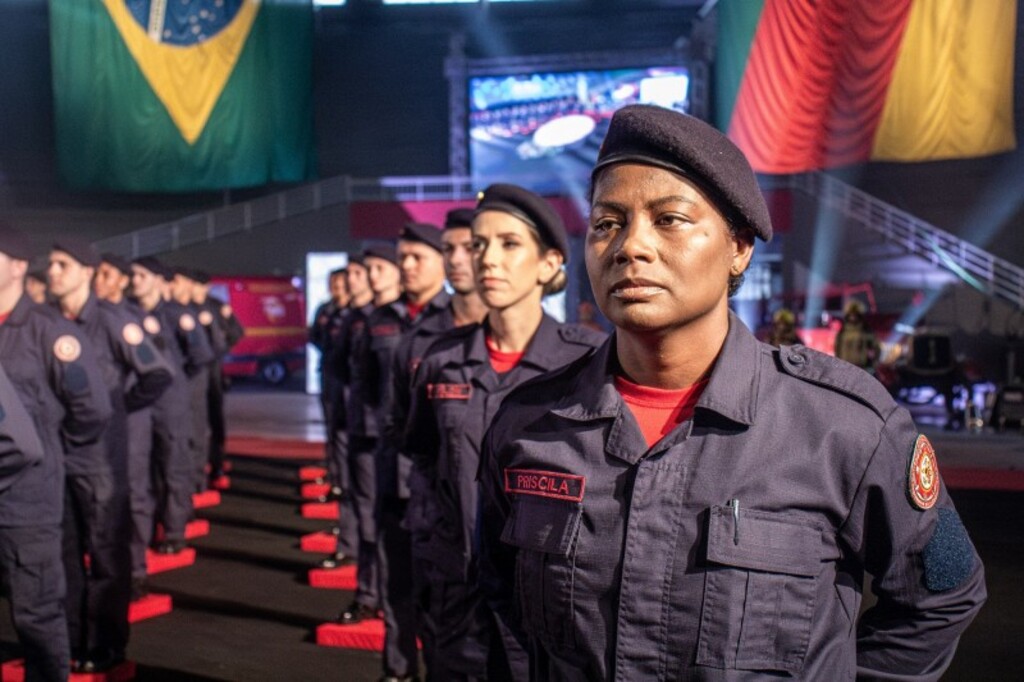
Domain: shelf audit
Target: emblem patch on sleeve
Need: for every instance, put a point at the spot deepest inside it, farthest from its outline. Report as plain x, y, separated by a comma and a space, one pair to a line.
551, 484
187, 322
151, 324
923, 480
206, 318
449, 391
67, 348
132, 334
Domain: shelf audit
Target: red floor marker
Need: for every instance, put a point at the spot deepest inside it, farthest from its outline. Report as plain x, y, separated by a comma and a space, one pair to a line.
320, 510
322, 542
221, 483
343, 578
368, 635
207, 498
197, 528
150, 606
158, 563
312, 473
311, 491
14, 671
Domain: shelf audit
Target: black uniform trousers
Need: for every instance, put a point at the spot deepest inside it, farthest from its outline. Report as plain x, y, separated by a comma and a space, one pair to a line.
215, 418
359, 505
172, 475
398, 598
199, 431
96, 523
141, 493
33, 577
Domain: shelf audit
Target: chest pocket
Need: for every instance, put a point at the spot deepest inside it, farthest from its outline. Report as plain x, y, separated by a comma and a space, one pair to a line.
545, 532
759, 591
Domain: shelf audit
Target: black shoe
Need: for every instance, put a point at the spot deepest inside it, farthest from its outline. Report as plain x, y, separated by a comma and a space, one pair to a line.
99, 663
356, 613
171, 547
337, 561
139, 588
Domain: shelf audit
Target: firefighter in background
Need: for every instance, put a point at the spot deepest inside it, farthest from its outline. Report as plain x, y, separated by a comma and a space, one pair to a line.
783, 331
223, 330
855, 342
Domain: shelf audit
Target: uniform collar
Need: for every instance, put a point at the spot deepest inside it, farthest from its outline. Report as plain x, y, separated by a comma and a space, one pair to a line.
538, 354
731, 391
89, 309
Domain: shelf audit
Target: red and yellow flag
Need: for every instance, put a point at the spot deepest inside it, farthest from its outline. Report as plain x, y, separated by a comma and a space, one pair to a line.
828, 83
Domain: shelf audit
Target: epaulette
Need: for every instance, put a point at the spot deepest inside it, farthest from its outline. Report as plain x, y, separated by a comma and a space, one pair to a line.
824, 370
581, 336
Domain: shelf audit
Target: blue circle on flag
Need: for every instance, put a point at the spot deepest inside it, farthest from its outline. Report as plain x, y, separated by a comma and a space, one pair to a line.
183, 22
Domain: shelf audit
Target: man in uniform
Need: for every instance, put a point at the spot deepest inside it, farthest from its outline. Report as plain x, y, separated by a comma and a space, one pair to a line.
465, 307
186, 348
325, 335
96, 511
686, 502
53, 370
223, 330
424, 302
199, 376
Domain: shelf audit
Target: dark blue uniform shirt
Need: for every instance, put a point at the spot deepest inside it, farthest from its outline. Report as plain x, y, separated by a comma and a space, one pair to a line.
455, 397
734, 548
54, 371
20, 446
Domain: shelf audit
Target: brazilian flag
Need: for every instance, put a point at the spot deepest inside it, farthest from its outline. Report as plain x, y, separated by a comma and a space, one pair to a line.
180, 95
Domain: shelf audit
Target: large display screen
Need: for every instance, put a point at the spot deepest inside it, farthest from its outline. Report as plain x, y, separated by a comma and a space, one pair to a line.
542, 130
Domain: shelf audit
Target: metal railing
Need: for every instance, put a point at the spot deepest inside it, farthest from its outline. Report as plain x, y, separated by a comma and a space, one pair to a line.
993, 275
997, 277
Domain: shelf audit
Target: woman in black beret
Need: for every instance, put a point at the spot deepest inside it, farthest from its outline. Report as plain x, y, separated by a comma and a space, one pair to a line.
689, 503
519, 246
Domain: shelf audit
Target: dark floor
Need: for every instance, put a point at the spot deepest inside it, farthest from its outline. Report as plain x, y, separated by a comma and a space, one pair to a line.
244, 611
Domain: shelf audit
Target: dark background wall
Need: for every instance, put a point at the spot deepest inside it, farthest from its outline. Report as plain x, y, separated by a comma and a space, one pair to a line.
381, 108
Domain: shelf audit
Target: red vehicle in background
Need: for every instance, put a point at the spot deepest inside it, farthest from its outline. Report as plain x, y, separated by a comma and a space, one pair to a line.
273, 312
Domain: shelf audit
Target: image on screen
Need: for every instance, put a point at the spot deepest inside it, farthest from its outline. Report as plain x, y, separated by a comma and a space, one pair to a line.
538, 129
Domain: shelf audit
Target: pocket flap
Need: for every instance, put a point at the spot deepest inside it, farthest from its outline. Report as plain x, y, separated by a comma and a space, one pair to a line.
767, 541
542, 524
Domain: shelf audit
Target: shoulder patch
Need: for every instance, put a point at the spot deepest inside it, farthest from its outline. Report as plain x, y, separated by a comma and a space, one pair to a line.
132, 334
206, 318
67, 348
824, 370
151, 324
923, 480
187, 322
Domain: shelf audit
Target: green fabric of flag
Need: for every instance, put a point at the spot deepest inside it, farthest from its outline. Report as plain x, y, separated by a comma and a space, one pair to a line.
152, 96
737, 23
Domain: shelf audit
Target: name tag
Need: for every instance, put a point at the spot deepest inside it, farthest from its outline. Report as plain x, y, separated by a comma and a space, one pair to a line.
551, 484
449, 391
385, 330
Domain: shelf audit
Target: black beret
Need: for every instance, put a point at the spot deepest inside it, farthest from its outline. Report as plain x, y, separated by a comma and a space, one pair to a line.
38, 274
116, 261
382, 250
458, 217
155, 266
79, 249
424, 233
531, 209
180, 270
201, 276
14, 243
337, 272
641, 133
356, 259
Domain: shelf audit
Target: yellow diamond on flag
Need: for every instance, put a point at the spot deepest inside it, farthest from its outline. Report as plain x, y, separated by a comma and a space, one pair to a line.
187, 78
